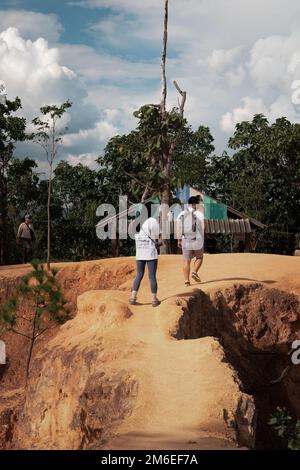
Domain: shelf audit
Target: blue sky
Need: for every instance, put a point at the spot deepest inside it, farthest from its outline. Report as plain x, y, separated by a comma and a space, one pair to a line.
233, 58
75, 21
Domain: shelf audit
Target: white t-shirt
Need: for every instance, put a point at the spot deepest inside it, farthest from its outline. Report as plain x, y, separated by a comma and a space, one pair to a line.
192, 240
145, 247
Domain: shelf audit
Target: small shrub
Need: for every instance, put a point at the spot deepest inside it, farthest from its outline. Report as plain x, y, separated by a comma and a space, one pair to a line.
286, 429
42, 292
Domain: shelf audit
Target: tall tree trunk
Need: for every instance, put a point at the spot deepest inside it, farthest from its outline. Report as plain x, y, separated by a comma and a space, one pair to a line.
4, 250
4, 226
49, 218
163, 60
165, 194
32, 341
51, 160
167, 155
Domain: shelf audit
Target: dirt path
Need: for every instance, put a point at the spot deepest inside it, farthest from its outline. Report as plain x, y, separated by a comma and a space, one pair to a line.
183, 386
186, 385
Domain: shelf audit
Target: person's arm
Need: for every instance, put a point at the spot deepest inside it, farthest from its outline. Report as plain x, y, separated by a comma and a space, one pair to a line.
20, 231
32, 233
179, 230
154, 229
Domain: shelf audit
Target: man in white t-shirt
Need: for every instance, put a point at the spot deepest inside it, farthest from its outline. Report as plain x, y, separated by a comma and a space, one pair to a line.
146, 253
190, 235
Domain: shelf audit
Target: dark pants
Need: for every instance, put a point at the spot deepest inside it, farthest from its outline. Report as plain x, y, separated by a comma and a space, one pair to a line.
26, 248
152, 268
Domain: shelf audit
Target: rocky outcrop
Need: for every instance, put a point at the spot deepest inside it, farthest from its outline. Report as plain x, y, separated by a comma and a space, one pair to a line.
75, 396
75, 279
11, 404
108, 376
195, 373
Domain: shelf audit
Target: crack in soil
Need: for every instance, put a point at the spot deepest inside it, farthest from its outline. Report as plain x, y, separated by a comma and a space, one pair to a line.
256, 326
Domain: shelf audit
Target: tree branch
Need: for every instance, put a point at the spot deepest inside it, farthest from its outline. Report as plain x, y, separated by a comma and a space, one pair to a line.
183, 100
163, 61
146, 186
145, 194
24, 318
19, 333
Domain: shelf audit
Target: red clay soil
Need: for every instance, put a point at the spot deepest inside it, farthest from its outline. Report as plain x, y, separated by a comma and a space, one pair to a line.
237, 324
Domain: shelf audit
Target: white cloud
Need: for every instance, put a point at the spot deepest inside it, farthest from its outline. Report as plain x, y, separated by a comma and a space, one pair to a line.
281, 107
32, 70
86, 159
273, 67
233, 58
294, 62
115, 101
222, 24
245, 112
274, 60
94, 66
89, 138
31, 25
236, 76
220, 59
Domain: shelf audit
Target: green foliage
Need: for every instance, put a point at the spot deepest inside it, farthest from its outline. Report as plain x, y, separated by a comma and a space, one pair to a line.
159, 133
191, 156
46, 128
133, 161
280, 421
22, 185
218, 243
50, 138
79, 191
9, 310
41, 292
262, 177
122, 167
286, 428
276, 242
12, 130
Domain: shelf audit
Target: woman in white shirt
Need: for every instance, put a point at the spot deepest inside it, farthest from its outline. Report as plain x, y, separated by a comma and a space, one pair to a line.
146, 253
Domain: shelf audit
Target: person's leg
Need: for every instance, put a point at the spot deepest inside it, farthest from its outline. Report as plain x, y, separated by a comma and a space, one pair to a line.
186, 267
29, 252
24, 251
152, 269
140, 268
197, 264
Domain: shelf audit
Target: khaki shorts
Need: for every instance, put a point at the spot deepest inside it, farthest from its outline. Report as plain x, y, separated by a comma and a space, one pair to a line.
188, 255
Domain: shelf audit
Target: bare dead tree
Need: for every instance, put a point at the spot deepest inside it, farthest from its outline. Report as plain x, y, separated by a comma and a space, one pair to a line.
183, 98
163, 60
168, 152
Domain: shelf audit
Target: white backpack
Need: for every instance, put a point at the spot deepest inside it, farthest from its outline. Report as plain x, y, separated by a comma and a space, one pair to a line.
189, 224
